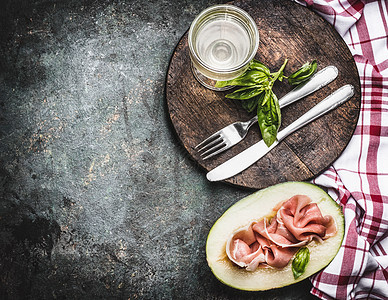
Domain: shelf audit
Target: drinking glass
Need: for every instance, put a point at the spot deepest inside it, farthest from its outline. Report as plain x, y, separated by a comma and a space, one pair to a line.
223, 39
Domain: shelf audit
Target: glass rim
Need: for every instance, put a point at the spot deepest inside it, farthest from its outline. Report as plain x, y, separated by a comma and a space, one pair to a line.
224, 7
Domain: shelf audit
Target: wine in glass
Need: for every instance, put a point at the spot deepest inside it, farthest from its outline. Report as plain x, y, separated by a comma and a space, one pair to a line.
223, 39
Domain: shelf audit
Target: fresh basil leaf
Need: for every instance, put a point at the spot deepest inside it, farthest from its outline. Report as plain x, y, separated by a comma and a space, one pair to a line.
257, 65
245, 92
220, 83
269, 117
300, 262
303, 74
249, 78
250, 104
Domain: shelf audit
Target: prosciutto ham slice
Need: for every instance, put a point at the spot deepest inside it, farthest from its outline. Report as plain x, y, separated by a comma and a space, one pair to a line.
272, 243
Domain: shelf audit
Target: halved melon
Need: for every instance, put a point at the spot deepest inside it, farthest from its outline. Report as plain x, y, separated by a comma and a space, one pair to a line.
255, 207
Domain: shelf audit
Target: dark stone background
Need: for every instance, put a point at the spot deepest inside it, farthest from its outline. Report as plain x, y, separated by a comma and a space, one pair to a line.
98, 200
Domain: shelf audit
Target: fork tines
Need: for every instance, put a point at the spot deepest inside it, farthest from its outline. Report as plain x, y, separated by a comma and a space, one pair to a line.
211, 146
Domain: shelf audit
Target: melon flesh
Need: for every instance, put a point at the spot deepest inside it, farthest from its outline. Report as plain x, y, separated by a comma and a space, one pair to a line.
255, 207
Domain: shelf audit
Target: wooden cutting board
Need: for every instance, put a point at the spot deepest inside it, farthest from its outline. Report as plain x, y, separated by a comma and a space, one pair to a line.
287, 30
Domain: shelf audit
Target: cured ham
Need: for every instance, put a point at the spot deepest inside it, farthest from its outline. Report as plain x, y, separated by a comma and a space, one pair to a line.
273, 242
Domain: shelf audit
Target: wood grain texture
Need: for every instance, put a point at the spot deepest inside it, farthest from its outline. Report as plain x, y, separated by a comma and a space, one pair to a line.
287, 30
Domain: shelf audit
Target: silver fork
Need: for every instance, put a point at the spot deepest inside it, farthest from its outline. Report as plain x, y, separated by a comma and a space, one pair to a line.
236, 132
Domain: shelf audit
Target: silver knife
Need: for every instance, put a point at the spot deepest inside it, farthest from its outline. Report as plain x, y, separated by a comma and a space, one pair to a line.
249, 156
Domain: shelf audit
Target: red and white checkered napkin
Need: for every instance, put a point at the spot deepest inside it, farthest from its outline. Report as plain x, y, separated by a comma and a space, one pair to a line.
358, 180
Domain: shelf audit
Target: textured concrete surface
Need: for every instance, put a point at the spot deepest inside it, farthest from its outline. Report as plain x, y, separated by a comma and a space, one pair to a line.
98, 200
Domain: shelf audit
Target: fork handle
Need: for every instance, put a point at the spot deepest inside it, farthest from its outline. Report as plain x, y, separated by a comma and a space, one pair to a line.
319, 80
332, 101
250, 122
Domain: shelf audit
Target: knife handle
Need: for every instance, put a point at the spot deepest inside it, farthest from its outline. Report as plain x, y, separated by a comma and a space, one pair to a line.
319, 80
329, 103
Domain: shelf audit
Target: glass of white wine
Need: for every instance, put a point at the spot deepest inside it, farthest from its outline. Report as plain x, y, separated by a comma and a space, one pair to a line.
223, 39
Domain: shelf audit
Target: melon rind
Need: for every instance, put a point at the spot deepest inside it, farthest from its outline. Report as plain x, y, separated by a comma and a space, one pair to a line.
253, 208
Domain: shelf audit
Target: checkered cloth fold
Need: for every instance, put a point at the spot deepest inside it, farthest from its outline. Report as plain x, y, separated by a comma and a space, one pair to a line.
358, 180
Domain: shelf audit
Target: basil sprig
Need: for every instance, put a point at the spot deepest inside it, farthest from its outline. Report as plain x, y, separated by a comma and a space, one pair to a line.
256, 93
300, 261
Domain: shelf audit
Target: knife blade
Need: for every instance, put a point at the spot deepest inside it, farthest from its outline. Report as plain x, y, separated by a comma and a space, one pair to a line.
249, 156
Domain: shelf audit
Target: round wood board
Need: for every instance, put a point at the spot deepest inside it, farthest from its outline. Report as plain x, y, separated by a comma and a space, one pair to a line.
287, 30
